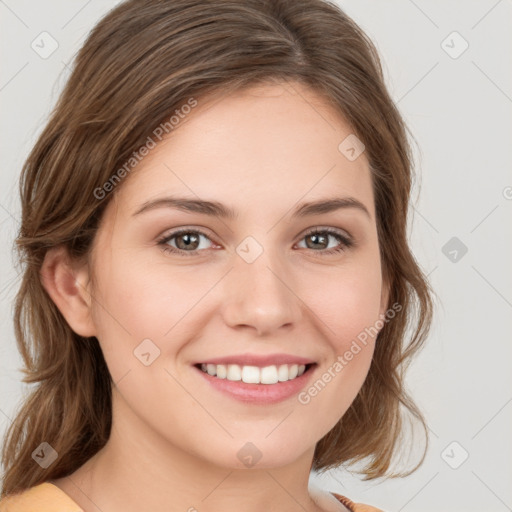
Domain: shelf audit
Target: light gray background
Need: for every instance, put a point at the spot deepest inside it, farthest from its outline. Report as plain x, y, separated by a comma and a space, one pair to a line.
459, 110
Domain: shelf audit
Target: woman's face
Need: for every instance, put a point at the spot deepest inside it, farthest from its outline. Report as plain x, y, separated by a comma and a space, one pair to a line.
267, 280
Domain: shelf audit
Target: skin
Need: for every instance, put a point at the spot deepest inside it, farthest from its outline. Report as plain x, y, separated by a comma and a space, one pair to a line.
174, 440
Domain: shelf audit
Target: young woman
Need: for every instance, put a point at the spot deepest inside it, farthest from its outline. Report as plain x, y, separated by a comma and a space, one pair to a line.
218, 291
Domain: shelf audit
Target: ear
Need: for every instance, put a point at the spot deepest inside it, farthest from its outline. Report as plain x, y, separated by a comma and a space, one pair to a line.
67, 283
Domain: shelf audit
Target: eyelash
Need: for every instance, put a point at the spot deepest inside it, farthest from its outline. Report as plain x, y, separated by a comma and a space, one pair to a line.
345, 242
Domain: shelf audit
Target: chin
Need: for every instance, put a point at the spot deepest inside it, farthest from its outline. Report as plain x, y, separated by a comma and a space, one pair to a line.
258, 454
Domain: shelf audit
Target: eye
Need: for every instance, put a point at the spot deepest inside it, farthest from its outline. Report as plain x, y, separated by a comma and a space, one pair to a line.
319, 237
187, 241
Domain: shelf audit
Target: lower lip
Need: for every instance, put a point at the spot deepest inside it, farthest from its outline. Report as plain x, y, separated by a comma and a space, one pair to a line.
259, 393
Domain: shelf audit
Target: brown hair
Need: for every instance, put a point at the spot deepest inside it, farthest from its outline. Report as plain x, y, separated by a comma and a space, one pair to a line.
140, 63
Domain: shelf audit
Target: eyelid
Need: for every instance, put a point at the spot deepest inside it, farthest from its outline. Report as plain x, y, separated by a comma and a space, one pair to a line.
167, 236
346, 239
186, 229
329, 229
206, 232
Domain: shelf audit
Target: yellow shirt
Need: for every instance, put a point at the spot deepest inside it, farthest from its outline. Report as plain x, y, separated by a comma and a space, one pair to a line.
47, 497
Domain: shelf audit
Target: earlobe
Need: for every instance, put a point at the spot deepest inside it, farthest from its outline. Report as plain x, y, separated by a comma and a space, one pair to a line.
67, 284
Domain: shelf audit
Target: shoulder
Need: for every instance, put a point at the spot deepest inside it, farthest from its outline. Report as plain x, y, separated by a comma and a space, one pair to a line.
43, 497
354, 507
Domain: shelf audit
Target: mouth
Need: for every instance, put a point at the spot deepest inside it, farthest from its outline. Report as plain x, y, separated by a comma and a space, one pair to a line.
249, 374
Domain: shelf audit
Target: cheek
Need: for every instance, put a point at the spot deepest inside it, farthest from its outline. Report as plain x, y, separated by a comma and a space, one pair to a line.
347, 305
145, 301
348, 310
347, 302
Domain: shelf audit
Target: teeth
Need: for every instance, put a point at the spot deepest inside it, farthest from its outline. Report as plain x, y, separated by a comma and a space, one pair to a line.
250, 374
254, 374
222, 371
269, 375
234, 372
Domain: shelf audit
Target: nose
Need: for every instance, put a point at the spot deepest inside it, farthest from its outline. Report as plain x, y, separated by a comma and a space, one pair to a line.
260, 296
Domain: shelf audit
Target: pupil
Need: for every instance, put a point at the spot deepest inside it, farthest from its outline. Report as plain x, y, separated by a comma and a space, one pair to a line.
317, 237
187, 237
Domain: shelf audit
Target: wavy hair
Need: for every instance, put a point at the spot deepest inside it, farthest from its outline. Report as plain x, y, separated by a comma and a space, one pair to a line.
139, 64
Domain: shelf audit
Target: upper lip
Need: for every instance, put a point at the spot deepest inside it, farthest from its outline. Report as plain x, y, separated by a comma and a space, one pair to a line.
258, 360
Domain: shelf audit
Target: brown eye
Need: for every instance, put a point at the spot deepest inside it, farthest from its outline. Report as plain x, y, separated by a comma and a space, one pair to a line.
186, 242
318, 240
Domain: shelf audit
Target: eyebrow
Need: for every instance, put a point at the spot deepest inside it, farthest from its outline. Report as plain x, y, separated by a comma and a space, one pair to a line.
216, 209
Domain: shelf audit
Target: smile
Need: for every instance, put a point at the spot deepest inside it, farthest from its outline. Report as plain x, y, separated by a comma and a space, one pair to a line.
253, 374
257, 385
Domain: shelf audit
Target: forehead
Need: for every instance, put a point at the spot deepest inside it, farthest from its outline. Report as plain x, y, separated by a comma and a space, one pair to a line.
261, 147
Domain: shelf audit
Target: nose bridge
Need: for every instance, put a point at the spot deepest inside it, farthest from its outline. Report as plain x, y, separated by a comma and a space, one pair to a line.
259, 290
